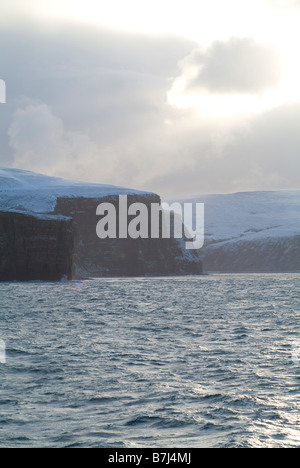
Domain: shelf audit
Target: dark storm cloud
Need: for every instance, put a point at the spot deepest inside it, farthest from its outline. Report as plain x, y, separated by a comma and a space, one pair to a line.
239, 65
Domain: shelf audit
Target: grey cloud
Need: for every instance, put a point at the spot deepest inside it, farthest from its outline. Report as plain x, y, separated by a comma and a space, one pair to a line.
261, 155
87, 74
92, 104
38, 139
239, 65
107, 86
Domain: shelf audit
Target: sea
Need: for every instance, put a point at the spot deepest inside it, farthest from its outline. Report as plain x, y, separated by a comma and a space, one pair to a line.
198, 362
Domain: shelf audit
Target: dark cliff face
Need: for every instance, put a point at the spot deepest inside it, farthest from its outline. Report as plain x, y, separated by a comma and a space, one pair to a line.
257, 256
48, 230
35, 248
122, 257
65, 244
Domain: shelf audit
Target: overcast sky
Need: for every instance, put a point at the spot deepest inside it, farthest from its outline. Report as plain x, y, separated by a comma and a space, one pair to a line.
164, 95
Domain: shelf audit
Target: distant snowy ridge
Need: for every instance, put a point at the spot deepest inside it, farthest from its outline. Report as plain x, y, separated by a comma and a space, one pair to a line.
25, 191
251, 231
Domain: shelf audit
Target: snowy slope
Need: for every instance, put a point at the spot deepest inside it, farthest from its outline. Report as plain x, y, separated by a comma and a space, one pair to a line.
25, 191
250, 215
252, 231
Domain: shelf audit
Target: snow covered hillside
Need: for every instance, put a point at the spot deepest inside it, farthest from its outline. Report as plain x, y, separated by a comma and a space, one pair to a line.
24, 191
251, 231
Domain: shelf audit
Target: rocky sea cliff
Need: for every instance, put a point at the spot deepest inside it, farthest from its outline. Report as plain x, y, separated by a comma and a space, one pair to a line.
48, 232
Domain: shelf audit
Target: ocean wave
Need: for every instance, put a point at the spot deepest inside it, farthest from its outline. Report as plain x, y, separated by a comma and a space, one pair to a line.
126, 365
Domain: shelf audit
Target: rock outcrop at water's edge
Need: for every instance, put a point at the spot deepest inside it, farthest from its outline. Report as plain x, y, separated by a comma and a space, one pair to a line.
48, 232
35, 248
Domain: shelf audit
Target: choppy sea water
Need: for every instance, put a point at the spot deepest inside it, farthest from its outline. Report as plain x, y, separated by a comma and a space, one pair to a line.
171, 362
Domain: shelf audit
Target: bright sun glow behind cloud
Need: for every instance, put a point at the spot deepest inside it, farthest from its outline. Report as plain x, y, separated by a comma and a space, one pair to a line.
97, 78
202, 22
222, 105
274, 22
